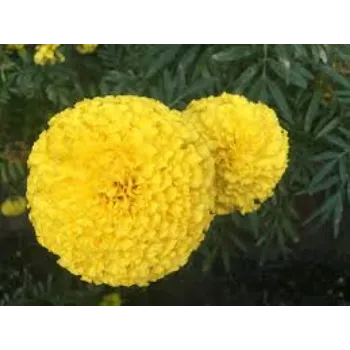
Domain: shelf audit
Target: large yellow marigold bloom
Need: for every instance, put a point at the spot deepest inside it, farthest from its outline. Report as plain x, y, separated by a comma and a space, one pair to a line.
121, 189
48, 54
249, 146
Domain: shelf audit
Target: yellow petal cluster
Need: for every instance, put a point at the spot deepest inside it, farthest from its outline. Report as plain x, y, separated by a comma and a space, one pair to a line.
86, 48
48, 54
15, 47
14, 206
249, 146
112, 299
121, 189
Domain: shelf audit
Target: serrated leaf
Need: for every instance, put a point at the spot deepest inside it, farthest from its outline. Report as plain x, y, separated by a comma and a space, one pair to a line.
327, 128
337, 77
327, 207
312, 110
323, 185
348, 191
338, 142
189, 57
163, 59
226, 259
342, 171
3, 175
280, 100
245, 78
169, 86
254, 91
297, 78
234, 53
237, 242
303, 71
208, 262
327, 169
326, 156
289, 229
198, 87
254, 224
288, 74
338, 213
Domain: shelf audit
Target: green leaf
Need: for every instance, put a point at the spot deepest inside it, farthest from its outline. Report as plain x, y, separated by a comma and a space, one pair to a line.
338, 142
280, 70
255, 89
323, 185
190, 56
326, 156
3, 176
196, 88
312, 110
327, 169
303, 71
336, 77
245, 78
327, 128
237, 242
164, 58
289, 229
169, 86
288, 74
338, 213
327, 207
208, 262
226, 258
348, 191
234, 53
342, 171
298, 79
280, 100
253, 220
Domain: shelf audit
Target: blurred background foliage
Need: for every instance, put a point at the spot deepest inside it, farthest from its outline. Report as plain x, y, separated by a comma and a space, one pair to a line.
308, 85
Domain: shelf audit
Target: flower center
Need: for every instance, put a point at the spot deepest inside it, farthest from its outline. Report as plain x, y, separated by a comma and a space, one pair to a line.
120, 193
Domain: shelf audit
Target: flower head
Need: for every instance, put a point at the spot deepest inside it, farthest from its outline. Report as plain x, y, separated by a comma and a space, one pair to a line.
14, 206
86, 48
249, 146
112, 299
15, 47
48, 54
121, 189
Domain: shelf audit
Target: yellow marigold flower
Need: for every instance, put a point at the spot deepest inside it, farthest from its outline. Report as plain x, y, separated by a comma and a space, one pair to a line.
86, 48
48, 54
121, 189
15, 47
112, 299
249, 146
14, 206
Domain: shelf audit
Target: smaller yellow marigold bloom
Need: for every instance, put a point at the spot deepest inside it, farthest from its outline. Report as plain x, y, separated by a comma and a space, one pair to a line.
249, 146
48, 54
120, 188
15, 47
112, 299
14, 206
86, 48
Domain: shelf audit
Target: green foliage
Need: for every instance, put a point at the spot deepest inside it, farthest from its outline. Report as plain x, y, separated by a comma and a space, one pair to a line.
308, 85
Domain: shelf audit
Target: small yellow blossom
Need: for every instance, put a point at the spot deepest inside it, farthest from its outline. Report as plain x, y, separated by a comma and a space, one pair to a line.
14, 206
249, 146
86, 48
112, 299
15, 47
48, 54
120, 188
